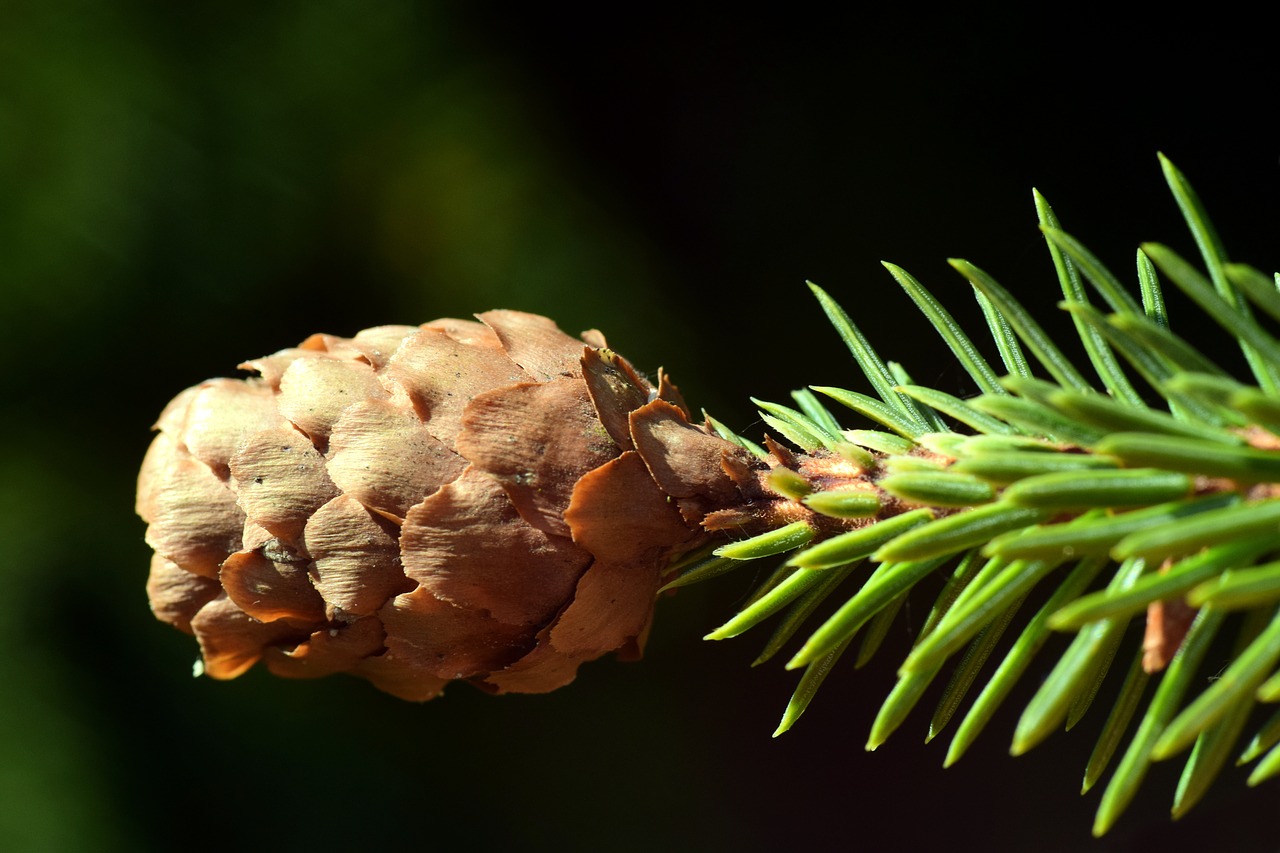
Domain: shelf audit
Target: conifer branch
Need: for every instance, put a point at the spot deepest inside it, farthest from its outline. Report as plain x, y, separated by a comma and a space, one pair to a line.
1034, 487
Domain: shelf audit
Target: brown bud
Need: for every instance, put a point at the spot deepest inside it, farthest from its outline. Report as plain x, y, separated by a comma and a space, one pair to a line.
493, 502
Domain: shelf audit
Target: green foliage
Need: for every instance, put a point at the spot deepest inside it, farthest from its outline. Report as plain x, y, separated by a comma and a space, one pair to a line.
1164, 468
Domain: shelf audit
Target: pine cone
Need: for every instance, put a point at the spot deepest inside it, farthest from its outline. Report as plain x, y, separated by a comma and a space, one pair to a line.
489, 501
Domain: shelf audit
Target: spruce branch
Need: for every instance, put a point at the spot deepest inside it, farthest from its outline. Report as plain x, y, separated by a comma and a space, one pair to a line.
1164, 467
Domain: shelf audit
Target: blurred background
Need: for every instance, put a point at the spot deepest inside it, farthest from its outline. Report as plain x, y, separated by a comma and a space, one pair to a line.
185, 187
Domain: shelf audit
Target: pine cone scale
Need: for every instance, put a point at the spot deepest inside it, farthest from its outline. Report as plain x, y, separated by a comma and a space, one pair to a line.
231, 640
440, 375
269, 590
684, 460
385, 457
280, 480
441, 639
314, 392
356, 554
221, 414
621, 516
536, 440
176, 594
615, 392
536, 344
327, 651
196, 522
595, 623
493, 574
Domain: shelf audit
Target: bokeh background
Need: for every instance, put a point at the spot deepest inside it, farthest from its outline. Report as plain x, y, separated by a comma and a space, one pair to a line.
183, 186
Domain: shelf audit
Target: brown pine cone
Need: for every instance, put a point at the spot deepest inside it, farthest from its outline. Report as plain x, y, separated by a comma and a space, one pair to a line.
490, 501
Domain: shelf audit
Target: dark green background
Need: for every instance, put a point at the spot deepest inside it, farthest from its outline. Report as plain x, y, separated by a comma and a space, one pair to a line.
184, 187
